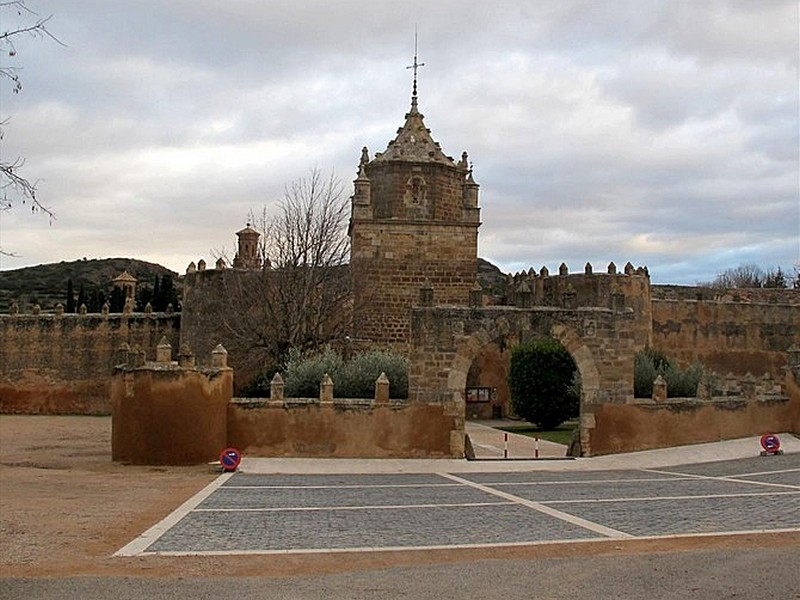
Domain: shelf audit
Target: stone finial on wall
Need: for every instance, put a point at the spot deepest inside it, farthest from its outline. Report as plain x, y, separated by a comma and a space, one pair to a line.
220, 265
192, 268
587, 269
612, 268
544, 272
201, 265
276, 387
326, 390
82, 310
104, 309
128, 308
382, 389
163, 351
219, 357
170, 309
15, 308
148, 309
629, 270
660, 389
185, 356
59, 309
36, 309
563, 269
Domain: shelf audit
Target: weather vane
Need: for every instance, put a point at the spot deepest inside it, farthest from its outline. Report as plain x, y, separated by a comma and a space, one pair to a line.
416, 64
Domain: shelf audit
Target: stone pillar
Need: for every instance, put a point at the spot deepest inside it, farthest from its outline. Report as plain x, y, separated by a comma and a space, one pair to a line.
276, 388
163, 351
185, 357
660, 389
326, 390
219, 357
382, 389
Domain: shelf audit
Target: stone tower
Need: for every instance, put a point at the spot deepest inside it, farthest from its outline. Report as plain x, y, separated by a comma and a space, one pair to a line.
414, 226
247, 253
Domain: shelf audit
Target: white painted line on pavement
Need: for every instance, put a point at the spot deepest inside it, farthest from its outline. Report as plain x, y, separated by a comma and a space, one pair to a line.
729, 478
333, 508
651, 498
141, 543
571, 541
341, 487
537, 506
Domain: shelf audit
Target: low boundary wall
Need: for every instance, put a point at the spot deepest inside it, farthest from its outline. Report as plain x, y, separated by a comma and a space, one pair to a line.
342, 429
615, 428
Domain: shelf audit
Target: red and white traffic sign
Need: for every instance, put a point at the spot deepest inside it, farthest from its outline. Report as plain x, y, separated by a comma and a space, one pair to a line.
230, 459
771, 444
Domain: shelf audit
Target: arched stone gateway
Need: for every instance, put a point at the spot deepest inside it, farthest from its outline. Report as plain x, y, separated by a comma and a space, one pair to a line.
446, 340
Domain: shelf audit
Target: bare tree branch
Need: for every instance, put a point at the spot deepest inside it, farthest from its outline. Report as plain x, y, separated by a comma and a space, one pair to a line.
15, 187
302, 296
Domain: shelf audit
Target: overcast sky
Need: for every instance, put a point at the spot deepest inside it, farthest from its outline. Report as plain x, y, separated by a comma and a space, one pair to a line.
661, 132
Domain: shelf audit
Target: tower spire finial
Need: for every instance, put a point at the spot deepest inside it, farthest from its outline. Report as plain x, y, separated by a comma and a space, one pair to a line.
415, 66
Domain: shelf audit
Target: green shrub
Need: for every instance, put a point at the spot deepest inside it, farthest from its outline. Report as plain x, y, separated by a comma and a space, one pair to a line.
543, 385
354, 378
304, 373
649, 364
357, 378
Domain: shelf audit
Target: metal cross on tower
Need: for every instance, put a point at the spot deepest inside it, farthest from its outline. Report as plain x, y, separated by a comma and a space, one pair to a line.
415, 66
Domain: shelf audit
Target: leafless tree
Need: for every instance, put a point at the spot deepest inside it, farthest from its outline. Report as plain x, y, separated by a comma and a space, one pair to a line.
749, 276
15, 187
302, 295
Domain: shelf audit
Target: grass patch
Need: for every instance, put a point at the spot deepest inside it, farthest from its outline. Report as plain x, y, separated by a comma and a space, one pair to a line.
560, 435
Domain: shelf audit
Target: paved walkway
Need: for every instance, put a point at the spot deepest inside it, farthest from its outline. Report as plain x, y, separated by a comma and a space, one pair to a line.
311, 506
698, 453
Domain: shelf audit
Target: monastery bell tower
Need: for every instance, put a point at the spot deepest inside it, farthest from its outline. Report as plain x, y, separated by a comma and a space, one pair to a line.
414, 225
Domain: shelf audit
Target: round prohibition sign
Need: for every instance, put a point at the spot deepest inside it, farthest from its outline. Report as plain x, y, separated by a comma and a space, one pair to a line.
230, 459
770, 442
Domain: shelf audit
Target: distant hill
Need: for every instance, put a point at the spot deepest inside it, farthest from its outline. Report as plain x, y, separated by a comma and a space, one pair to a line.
492, 279
46, 285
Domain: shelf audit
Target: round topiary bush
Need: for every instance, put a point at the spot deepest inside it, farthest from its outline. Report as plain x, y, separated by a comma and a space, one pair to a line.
542, 383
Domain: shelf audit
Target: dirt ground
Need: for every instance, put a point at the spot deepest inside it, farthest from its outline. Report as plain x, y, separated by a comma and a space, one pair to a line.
65, 508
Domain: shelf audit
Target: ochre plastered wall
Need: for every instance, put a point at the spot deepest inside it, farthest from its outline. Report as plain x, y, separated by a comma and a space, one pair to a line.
633, 427
61, 364
165, 415
342, 430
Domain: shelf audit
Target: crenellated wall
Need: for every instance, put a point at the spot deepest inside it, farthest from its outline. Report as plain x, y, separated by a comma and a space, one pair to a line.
735, 331
61, 364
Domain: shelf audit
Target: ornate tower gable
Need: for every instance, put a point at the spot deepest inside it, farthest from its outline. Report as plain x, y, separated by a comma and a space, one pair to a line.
414, 225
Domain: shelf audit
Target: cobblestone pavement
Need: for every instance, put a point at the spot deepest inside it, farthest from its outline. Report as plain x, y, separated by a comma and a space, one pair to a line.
242, 513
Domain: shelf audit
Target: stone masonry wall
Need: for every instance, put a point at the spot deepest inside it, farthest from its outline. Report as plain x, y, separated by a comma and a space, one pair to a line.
391, 264
727, 336
62, 364
443, 192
